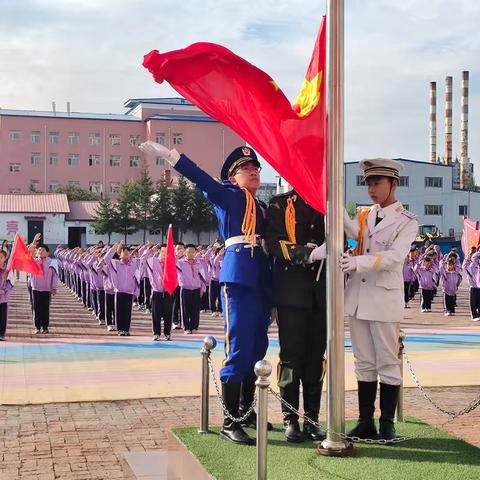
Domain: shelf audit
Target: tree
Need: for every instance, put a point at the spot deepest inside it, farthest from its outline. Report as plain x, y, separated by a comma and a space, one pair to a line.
161, 207
203, 218
124, 220
75, 193
351, 209
142, 208
105, 217
182, 203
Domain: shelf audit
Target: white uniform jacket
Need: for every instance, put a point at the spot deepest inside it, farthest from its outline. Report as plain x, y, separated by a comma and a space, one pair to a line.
375, 289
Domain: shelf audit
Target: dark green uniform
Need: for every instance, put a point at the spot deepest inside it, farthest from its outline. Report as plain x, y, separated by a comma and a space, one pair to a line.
300, 298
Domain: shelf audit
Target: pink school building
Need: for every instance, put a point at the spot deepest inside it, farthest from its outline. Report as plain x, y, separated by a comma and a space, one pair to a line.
41, 151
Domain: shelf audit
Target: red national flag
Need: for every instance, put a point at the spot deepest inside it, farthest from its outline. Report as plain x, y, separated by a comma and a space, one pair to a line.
471, 235
170, 278
238, 94
21, 259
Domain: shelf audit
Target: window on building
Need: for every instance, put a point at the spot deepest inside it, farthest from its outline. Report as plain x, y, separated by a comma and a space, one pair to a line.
95, 187
463, 210
34, 185
53, 186
360, 181
54, 137
14, 135
94, 160
14, 191
159, 161
114, 160
114, 139
155, 232
178, 138
436, 182
35, 158
35, 137
115, 187
13, 167
73, 138
433, 209
160, 138
94, 138
73, 159
134, 161
404, 182
134, 140
53, 159
73, 183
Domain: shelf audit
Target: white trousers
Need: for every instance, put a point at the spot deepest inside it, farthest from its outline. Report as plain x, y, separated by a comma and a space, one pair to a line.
375, 350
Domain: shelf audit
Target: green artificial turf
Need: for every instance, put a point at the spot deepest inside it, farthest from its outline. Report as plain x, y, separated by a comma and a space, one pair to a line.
433, 455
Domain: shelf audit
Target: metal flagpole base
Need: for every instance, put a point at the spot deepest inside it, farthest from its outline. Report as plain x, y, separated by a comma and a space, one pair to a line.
330, 448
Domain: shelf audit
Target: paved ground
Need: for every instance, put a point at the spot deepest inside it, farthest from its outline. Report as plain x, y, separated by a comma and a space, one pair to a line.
68, 439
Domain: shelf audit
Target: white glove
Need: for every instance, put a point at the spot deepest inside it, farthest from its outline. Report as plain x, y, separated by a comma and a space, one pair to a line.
318, 253
348, 263
155, 149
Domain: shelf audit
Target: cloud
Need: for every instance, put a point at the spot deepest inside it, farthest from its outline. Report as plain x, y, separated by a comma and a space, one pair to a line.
89, 52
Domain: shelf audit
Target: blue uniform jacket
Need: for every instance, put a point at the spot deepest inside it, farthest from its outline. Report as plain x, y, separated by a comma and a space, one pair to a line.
229, 201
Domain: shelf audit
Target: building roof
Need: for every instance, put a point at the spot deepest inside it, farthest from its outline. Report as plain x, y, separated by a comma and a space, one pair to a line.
133, 102
76, 115
184, 118
408, 160
34, 203
82, 211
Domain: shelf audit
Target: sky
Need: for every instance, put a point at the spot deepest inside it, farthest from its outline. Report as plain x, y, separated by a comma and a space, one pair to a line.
89, 52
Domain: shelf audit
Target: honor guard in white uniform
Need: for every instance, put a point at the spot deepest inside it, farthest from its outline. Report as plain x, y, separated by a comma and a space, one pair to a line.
374, 293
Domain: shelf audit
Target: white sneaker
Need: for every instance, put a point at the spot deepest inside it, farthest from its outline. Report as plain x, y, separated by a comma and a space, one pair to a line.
424, 310
156, 338
168, 338
110, 328
447, 314
2, 338
476, 319
214, 314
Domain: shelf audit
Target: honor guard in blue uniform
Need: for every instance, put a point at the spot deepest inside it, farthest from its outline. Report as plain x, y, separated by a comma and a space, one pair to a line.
244, 277
295, 236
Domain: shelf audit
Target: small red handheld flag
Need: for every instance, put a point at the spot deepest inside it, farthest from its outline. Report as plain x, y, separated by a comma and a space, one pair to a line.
170, 277
21, 259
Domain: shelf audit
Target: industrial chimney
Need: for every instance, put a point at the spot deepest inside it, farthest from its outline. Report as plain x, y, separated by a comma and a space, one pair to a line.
447, 160
54, 109
433, 122
464, 163
68, 108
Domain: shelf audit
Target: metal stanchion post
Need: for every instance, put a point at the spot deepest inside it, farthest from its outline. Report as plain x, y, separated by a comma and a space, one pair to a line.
263, 369
401, 338
209, 343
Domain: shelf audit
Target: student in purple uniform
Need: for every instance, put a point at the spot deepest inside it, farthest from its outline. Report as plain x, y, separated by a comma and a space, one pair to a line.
451, 280
409, 276
190, 282
123, 274
6, 285
426, 275
471, 267
215, 266
43, 287
176, 319
108, 290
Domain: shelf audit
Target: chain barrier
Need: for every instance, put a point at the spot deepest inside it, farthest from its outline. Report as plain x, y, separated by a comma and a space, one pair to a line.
220, 397
475, 403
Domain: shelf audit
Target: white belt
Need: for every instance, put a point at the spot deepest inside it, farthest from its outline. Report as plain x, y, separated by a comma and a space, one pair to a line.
241, 239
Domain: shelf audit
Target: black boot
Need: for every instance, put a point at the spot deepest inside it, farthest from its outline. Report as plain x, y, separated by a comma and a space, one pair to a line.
365, 428
232, 430
247, 394
290, 393
311, 405
388, 405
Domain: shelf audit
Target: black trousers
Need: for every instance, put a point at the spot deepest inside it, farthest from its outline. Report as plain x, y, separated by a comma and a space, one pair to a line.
84, 293
475, 302
407, 291
176, 307
215, 299
190, 308
41, 309
3, 318
449, 303
427, 297
205, 300
110, 308
302, 334
30, 296
123, 311
101, 305
94, 300
161, 310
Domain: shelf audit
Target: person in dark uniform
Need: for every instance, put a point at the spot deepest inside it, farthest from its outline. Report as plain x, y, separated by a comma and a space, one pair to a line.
294, 230
244, 277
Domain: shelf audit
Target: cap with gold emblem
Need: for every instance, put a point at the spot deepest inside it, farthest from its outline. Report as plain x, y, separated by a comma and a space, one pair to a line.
381, 167
236, 159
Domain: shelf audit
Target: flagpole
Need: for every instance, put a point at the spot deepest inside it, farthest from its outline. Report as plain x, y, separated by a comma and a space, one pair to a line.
334, 444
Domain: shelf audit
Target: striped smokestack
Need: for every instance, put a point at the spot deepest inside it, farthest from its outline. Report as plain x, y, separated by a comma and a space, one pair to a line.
433, 122
447, 159
464, 166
